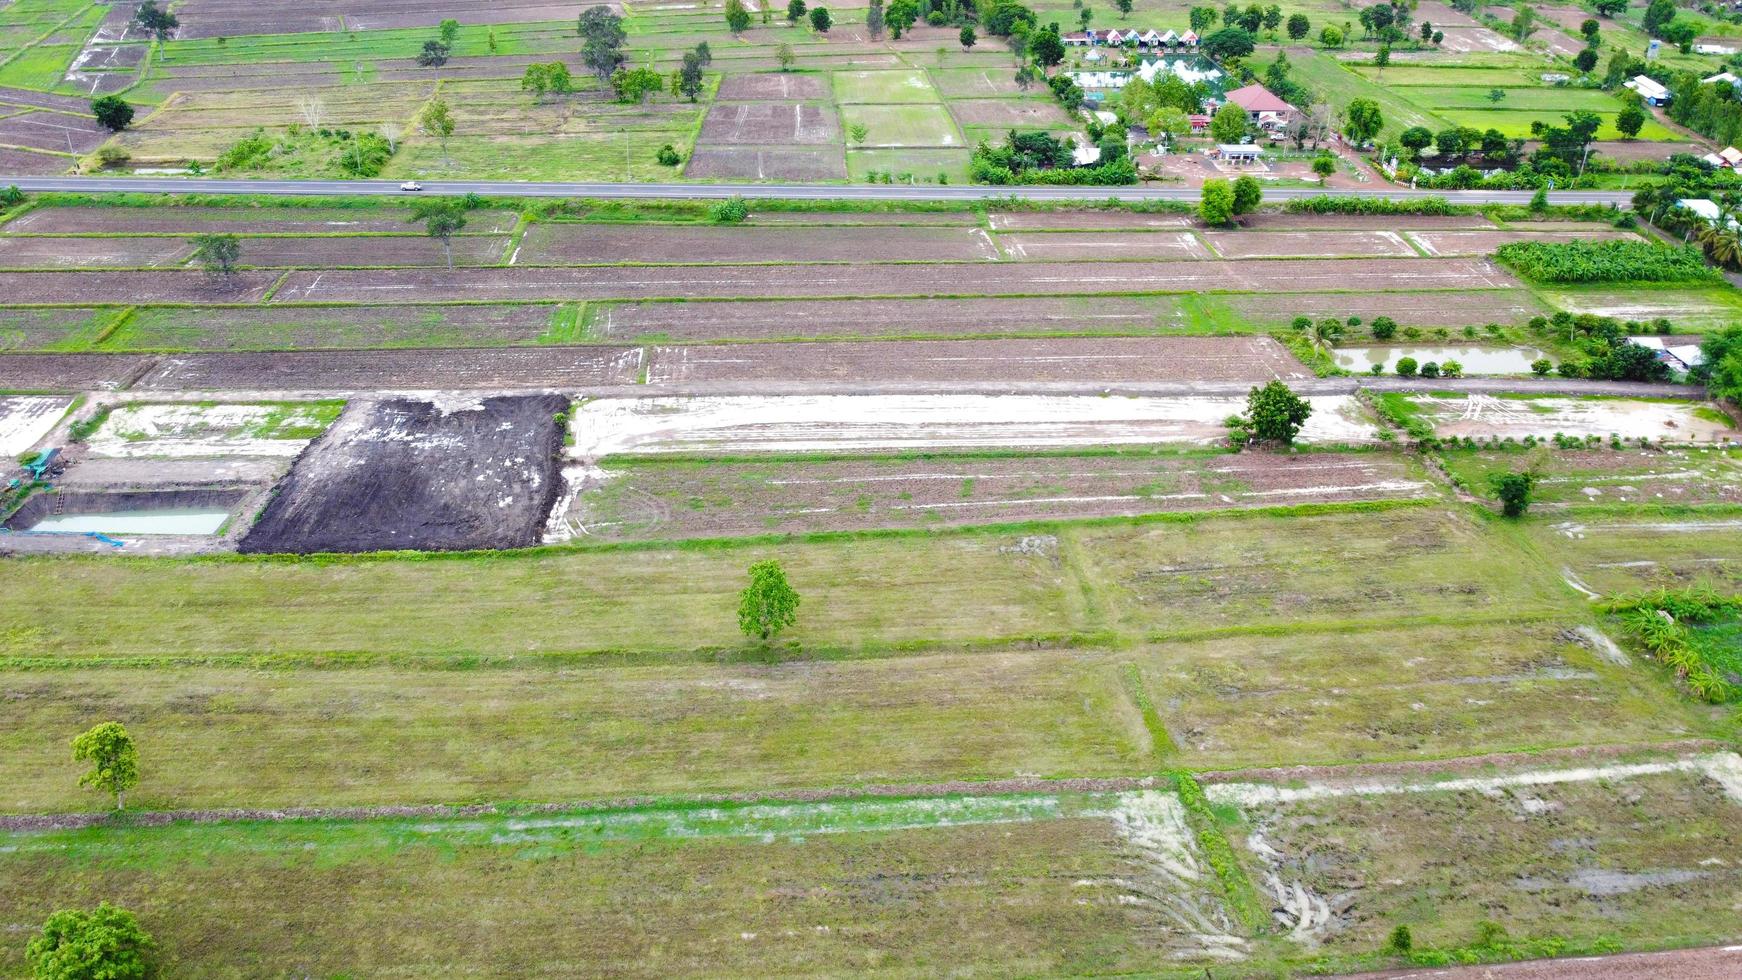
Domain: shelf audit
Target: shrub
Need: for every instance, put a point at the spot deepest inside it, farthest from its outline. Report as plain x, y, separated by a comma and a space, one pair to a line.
1430, 370
1400, 942
1327, 204
1300, 322
105, 942
11, 196
1541, 367
668, 156
1384, 328
730, 211
1514, 490
1614, 260
1452, 369
1406, 367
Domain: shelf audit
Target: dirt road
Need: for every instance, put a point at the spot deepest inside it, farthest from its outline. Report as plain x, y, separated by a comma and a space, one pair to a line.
1715, 963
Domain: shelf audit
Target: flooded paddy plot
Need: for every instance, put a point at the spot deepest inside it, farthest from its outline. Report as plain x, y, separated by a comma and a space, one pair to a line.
648, 498
1485, 416
1448, 308
389, 370
1686, 307
853, 423
1234, 571
25, 421
1087, 360
772, 319
148, 430
569, 243
1626, 853
313, 328
849, 280
1473, 360
1321, 698
1632, 475
420, 475
1113, 219
1613, 556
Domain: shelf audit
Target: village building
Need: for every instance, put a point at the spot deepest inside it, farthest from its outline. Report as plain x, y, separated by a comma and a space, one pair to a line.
1263, 106
1649, 90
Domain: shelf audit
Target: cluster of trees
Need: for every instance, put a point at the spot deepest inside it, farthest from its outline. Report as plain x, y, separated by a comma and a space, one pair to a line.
1039, 158
1713, 110
547, 78
1720, 239
1603, 350
738, 16
1221, 202
1722, 370
1164, 107
436, 50
1660, 21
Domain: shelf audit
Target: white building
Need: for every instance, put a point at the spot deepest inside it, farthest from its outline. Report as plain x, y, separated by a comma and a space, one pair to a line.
1650, 91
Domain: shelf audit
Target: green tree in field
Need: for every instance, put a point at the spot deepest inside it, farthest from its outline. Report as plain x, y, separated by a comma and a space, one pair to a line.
449, 31
437, 121
1202, 18
217, 254
900, 17
1514, 490
1381, 58
105, 943
442, 219
1416, 139
737, 16
1362, 121
1216, 205
1609, 8
784, 55
114, 760
1585, 60
1229, 42
1124, 8
158, 22
768, 605
1331, 37
11, 196
112, 112
1248, 194
1629, 121
1275, 413
1272, 18
1324, 165
1229, 124
602, 38
1400, 942
633, 85
686, 81
795, 10
1299, 26
874, 20
1722, 370
968, 37
434, 54
1046, 47
547, 78
820, 20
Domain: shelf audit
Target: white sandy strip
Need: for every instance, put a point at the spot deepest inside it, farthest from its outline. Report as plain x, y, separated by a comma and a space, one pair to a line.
1480, 415
812, 423
135, 431
24, 421
1724, 768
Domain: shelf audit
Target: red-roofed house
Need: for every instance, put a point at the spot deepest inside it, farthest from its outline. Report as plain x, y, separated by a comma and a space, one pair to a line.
1262, 105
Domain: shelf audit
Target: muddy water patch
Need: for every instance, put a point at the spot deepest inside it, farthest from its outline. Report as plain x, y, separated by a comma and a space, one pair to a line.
185, 512
1473, 360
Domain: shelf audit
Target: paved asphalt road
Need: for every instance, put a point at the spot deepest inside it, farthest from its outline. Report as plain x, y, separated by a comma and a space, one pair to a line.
789, 192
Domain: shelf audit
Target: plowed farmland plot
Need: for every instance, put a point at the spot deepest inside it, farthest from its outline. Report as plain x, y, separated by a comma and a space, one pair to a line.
234, 221
135, 287
1111, 220
1608, 853
1205, 359
650, 499
1070, 246
1327, 244
847, 280
767, 163
69, 372
1686, 307
1609, 476
397, 370
230, 18
1452, 308
373, 250
756, 123
417, 475
566, 244
1484, 417
766, 319
53, 131
782, 87
312, 328
859, 423
1485, 242
47, 253
25, 162
1280, 221
789, 218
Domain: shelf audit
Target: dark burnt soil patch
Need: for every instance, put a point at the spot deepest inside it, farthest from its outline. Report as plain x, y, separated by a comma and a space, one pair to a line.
414, 475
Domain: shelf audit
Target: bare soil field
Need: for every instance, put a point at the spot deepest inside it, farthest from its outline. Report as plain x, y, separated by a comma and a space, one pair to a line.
762, 123
651, 499
24, 421
1631, 150
1451, 308
1308, 244
780, 87
1272, 221
55, 131
1065, 246
235, 221
86, 253
135, 287
420, 475
1114, 220
70, 372
549, 367
769, 319
1485, 242
571, 244
315, 328
875, 423
43, 100
1234, 359
845, 280
231, 18
787, 218
767, 163
24, 162
370, 250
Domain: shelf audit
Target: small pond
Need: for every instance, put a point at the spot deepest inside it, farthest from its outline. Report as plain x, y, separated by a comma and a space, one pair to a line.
1475, 360
168, 520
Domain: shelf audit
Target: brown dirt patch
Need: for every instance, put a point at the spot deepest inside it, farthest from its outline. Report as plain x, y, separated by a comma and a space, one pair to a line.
571, 243
1304, 244
1631, 150
1068, 246
163, 286
781, 87
843, 280
235, 221
764, 123
1085, 220
378, 250
54, 131
768, 163
315, 328
552, 367
1096, 360
86, 253
864, 218
26, 163
642, 500
1485, 242
767, 319
70, 372
1361, 222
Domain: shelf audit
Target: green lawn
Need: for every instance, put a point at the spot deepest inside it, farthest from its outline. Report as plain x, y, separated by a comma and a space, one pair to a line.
901, 126
883, 87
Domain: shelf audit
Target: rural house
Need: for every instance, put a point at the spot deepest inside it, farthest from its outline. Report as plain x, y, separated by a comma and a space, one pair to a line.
1263, 106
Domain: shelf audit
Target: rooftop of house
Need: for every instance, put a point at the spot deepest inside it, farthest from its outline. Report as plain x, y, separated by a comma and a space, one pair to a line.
1257, 98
